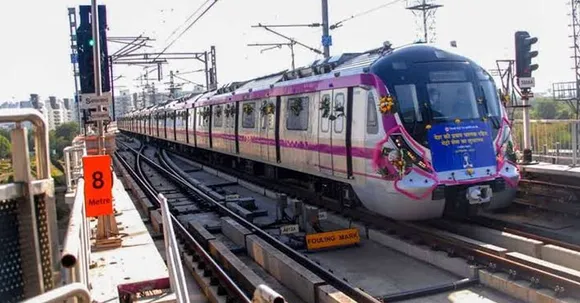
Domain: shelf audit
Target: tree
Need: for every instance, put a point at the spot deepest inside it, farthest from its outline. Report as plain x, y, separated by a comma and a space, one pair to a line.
545, 109
68, 131
5, 147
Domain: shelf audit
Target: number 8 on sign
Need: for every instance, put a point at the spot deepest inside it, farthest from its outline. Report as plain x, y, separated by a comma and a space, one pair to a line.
98, 185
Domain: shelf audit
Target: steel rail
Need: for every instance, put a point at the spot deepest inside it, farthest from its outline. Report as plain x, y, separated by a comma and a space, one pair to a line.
355, 293
551, 184
222, 275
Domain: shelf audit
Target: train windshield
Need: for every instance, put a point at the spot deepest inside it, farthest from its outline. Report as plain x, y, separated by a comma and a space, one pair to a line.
438, 92
452, 100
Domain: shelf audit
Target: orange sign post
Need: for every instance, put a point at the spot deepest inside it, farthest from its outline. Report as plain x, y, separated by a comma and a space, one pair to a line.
98, 191
98, 185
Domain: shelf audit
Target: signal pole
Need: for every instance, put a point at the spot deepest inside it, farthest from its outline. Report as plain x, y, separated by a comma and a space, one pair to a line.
97, 71
524, 69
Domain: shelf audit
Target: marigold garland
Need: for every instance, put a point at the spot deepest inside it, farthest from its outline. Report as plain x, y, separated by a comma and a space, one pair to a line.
386, 104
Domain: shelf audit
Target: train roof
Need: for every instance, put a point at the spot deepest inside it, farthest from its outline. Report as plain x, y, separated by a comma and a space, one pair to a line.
321, 69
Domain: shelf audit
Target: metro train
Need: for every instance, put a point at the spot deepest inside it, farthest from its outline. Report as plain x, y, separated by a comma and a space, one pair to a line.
411, 133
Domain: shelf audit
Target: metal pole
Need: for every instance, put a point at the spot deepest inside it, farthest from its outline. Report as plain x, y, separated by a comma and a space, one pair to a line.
527, 133
574, 143
97, 70
292, 52
325, 27
425, 32
112, 88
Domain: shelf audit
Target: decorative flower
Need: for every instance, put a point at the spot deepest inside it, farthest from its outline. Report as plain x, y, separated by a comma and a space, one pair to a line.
325, 106
386, 104
248, 109
267, 108
296, 106
230, 110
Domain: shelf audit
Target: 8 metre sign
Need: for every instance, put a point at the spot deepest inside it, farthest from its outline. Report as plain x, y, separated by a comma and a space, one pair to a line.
98, 185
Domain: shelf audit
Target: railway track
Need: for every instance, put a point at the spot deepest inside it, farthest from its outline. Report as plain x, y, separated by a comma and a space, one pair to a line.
205, 200
549, 194
192, 248
516, 266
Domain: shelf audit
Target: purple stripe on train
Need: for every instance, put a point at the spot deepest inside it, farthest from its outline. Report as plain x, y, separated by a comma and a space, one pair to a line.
359, 152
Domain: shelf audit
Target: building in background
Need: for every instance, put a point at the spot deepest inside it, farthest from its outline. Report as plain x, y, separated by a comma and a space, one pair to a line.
123, 103
57, 112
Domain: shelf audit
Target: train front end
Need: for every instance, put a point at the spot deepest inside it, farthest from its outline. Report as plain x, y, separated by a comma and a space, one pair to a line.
448, 144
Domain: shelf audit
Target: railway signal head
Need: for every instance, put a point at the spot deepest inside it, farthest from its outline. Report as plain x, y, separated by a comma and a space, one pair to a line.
524, 54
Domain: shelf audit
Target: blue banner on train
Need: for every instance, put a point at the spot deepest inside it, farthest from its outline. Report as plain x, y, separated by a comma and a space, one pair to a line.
461, 146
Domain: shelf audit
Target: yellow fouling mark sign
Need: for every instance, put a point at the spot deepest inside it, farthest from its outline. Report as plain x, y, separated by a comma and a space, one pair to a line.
332, 239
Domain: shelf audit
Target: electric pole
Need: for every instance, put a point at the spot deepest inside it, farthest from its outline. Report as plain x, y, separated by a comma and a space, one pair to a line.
326, 38
425, 9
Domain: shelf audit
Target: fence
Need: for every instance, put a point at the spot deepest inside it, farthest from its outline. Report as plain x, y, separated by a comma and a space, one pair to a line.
553, 141
28, 230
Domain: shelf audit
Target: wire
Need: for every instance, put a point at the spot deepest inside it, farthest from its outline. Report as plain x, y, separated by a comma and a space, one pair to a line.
339, 23
187, 20
188, 27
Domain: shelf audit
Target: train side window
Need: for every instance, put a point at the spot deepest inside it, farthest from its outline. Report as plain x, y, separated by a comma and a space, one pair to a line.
372, 124
249, 115
408, 103
339, 104
297, 113
218, 117
324, 121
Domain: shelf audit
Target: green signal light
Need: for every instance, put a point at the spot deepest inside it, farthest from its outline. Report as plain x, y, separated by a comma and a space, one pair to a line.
91, 42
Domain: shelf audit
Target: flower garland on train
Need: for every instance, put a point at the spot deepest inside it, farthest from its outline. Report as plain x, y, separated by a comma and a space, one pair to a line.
296, 106
267, 108
248, 108
230, 110
205, 113
218, 111
325, 108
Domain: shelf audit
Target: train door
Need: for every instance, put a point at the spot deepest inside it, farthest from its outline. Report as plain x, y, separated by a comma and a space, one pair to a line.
338, 133
324, 135
267, 127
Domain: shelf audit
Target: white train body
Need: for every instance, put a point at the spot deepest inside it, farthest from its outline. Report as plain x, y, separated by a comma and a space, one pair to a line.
341, 119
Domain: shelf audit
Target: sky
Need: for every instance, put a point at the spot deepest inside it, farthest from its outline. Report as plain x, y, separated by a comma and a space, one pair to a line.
36, 41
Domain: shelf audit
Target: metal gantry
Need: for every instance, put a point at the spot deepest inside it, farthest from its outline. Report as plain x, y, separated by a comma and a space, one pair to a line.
425, 9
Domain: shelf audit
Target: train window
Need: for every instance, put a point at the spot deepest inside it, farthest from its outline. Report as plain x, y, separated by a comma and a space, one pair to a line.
408, 103
338, 104
218, 116
324, 121
249, 115
372, 125
297, 113
491, 98
454, 100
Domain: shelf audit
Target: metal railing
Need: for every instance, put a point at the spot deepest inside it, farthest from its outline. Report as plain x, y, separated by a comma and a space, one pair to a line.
76, 251
553, 141
75, 290
28, 206
73, 158
174, 266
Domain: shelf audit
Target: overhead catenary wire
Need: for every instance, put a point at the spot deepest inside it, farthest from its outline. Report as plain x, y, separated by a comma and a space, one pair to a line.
339, 23
188, 27
186, 20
